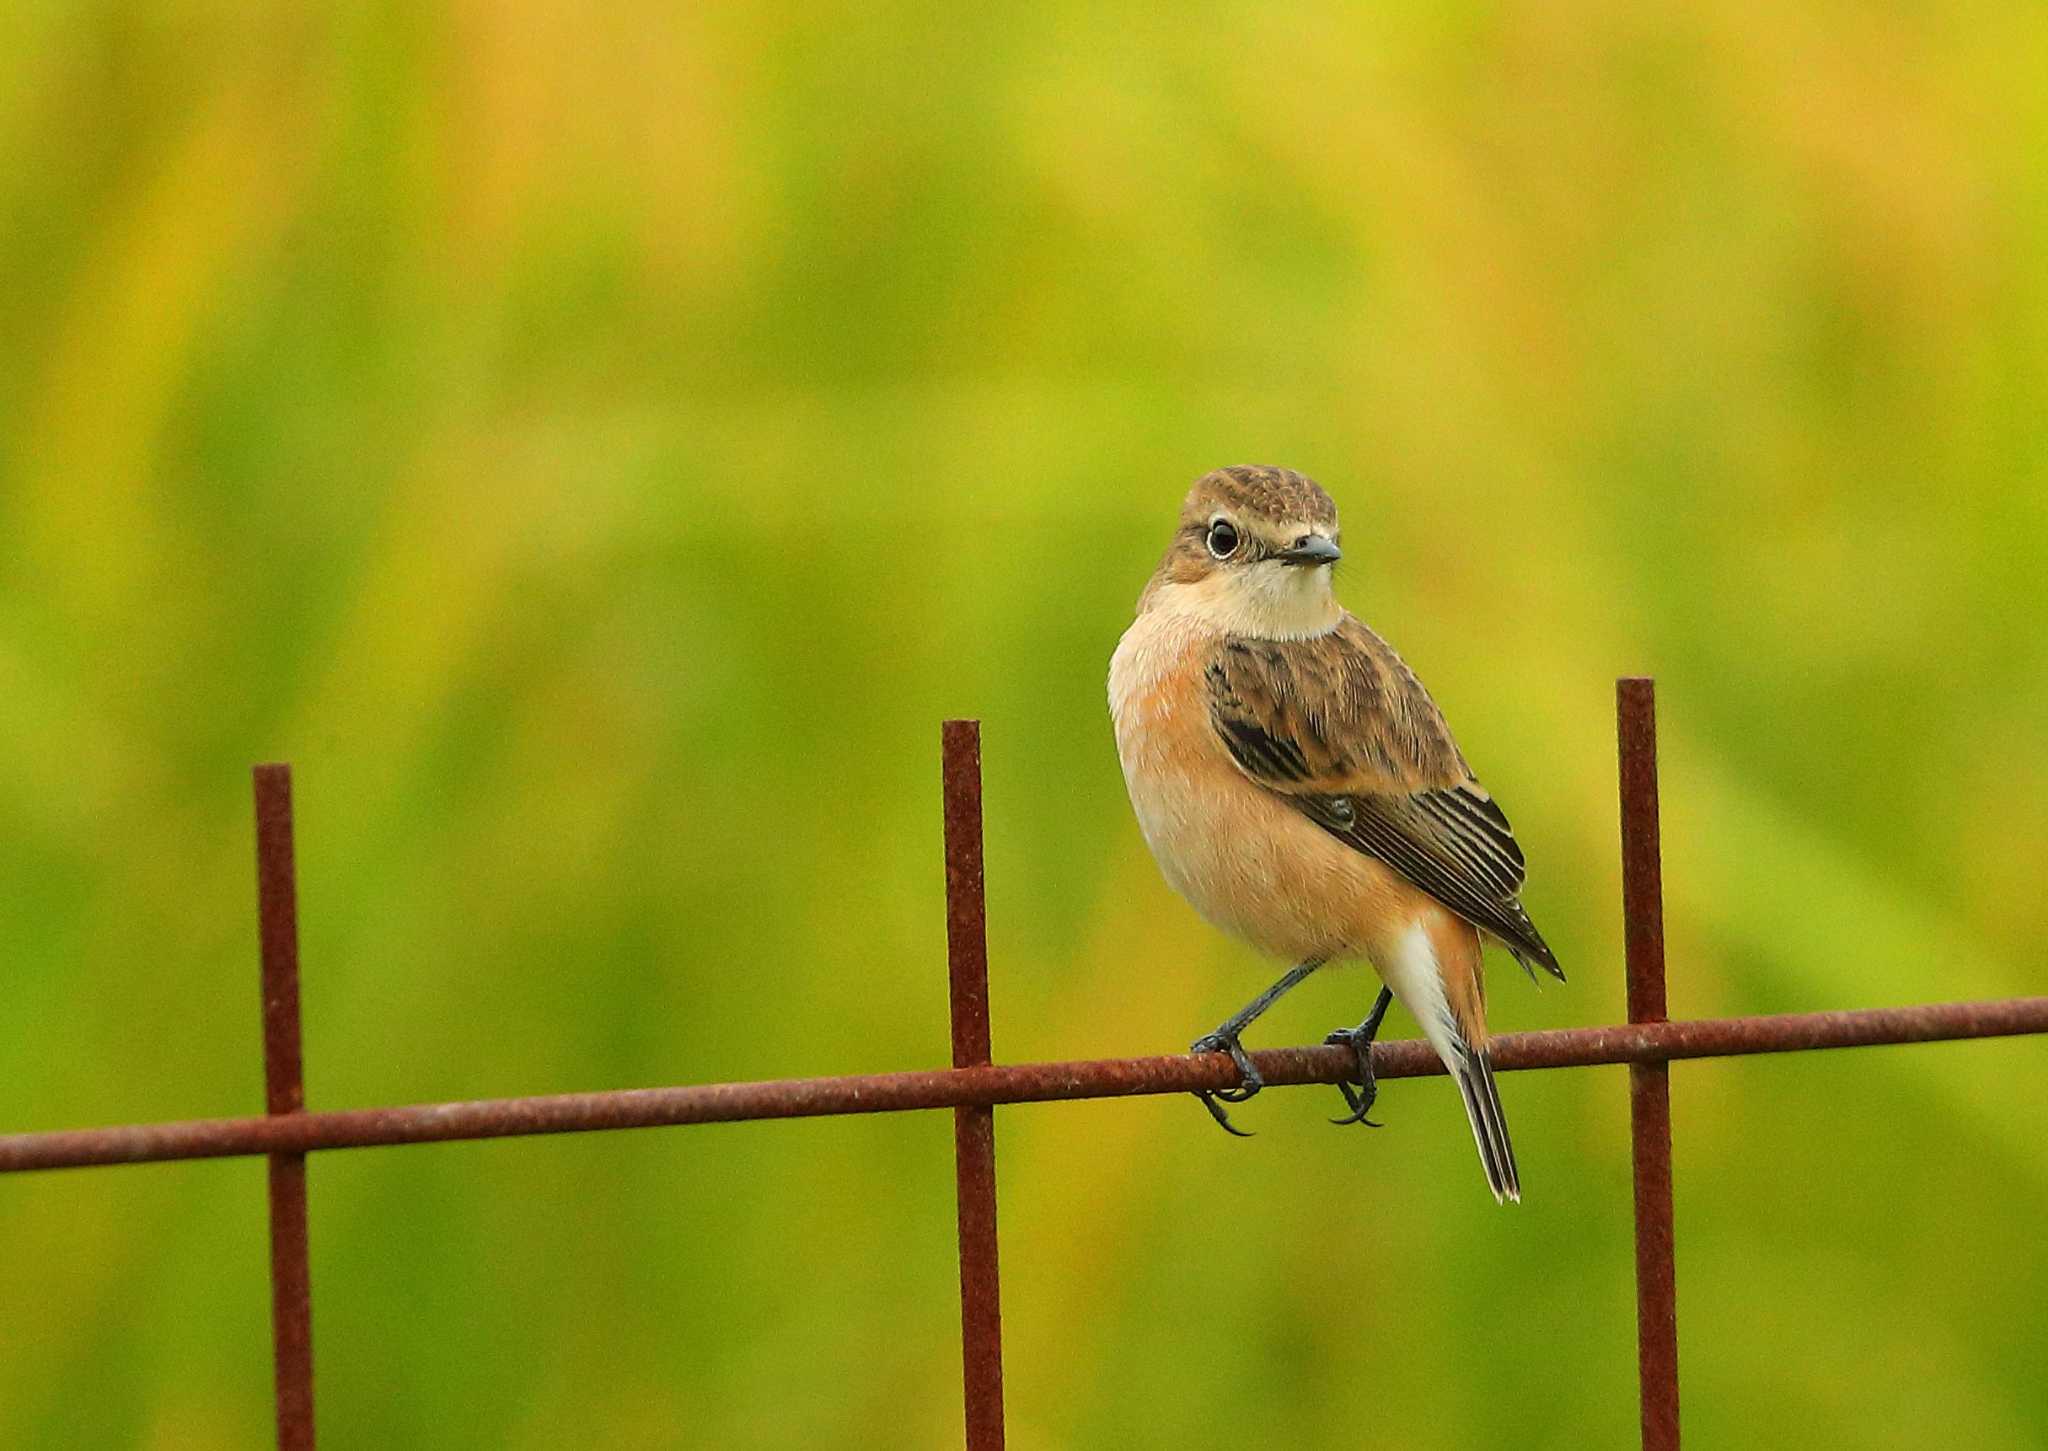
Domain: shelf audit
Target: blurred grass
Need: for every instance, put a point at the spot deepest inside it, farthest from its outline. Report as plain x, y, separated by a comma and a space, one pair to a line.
597, 449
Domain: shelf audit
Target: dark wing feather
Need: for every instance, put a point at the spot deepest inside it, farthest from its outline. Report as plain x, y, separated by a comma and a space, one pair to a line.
1341, 727
1475, 877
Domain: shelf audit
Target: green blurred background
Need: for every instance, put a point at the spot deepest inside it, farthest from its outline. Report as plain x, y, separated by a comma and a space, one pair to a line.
597, 448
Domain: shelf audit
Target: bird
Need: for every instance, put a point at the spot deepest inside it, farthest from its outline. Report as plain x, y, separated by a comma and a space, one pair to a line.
1299, 787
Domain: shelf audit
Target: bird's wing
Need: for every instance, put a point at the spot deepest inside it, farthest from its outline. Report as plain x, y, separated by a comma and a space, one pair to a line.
1339, 725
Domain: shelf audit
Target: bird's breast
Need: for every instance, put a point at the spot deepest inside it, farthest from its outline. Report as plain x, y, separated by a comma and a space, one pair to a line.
1244, 858
1172, 762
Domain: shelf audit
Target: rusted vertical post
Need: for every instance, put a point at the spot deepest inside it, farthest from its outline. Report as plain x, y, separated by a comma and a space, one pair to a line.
974, 1134
284, 1091
1642, 896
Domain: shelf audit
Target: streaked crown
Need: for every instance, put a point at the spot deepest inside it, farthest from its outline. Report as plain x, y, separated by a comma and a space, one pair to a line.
1263, 495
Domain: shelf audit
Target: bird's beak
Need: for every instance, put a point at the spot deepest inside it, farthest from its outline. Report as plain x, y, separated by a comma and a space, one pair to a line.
1309, 550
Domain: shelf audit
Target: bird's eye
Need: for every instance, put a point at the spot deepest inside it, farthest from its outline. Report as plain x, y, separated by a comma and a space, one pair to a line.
1222, 539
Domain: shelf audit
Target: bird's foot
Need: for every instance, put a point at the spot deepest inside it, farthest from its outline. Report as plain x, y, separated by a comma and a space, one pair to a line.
1358, 1093
1213, 1099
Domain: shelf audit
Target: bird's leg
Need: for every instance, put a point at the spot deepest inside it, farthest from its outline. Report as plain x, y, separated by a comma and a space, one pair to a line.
1359, 1041
1225, 1040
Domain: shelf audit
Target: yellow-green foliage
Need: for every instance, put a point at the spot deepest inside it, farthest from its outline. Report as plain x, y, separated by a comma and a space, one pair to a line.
598, 447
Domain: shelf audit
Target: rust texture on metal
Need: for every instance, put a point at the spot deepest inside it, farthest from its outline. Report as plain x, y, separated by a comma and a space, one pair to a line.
1642, 862
966, 899
1642, 897
1001, 1083
284, 1093
1647, 1043
974, 1132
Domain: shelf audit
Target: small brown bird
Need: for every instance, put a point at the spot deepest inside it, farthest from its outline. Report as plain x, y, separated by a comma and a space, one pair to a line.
1300, 788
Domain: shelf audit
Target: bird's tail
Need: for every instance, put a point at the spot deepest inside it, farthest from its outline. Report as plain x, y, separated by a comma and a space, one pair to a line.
1439, 982
1473, 1070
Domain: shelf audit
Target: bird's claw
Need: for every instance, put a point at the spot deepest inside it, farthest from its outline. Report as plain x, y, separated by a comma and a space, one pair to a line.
1248, 1088
1358, 1096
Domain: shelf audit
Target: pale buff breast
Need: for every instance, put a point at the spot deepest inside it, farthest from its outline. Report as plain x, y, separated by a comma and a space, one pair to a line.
1247, 861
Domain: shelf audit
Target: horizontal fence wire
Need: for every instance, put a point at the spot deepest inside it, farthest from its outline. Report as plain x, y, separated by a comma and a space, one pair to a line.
999, 1083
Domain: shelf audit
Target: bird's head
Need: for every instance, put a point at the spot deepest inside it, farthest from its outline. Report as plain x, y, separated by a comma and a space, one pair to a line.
1252, 555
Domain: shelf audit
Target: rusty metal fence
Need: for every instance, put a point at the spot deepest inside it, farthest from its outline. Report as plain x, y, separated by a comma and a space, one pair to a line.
974, 1085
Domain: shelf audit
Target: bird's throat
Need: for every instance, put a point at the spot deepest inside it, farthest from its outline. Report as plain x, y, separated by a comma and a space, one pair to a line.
1269, 601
